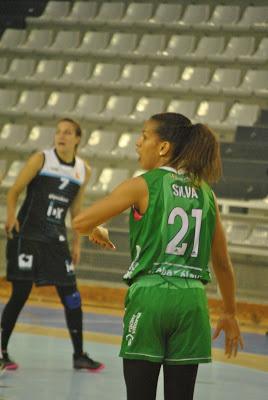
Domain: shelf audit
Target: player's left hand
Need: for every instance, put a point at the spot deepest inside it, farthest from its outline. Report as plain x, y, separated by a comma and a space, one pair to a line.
233, 338
100, 236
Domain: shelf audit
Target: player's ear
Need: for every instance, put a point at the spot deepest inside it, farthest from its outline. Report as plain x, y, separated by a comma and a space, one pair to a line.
164, 148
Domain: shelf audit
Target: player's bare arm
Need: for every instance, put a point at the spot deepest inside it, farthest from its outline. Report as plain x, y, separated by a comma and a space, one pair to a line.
74, 210
131, 192
224, 273
28, 172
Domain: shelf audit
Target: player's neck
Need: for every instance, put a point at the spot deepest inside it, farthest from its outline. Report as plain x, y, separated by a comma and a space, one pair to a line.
67, 157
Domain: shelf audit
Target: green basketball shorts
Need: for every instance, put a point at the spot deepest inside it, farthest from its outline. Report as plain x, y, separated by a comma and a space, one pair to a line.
166, 321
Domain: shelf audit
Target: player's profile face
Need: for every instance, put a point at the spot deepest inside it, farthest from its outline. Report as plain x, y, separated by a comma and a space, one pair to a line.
148, 146
66, 138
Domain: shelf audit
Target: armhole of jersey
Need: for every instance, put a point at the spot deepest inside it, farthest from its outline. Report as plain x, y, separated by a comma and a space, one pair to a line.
138, 215
85, 171
43, 163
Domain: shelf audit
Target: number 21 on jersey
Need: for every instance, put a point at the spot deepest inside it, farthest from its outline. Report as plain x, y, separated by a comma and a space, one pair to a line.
176, 246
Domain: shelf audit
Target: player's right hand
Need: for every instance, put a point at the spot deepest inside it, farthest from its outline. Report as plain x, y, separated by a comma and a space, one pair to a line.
11, 223
100, 236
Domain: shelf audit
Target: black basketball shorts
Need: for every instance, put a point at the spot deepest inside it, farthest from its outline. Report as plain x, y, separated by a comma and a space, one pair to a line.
39, 262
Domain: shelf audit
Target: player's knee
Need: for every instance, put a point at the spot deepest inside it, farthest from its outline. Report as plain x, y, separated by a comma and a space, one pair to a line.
72, 301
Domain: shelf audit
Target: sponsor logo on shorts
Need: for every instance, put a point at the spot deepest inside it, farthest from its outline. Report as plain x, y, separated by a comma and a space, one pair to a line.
69, 267
132, 327
25, 261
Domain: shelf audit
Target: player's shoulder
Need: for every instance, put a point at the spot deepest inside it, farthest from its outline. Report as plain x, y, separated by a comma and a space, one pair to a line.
83, 163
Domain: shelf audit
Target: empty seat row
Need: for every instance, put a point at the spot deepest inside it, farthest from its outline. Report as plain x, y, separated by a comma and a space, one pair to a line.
104, 180
186, 47
119, 11
124, 109
99, 142
224, 80
101, 182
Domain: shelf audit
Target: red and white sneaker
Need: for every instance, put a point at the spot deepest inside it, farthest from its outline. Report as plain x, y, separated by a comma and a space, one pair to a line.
7, 363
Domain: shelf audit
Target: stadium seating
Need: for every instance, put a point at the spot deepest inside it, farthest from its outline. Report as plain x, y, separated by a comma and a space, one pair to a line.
112, 64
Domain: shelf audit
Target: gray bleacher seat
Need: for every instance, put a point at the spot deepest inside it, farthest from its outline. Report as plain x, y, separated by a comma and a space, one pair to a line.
12, 174
206, 48
3, 65
252, 134
259, 56
259, 236
65, 40
210, 112
93, 179
55, 10
222, 80
137, 12
29, 101
100, 143
8, 98
3, 168
76, 71
192, 78
109, 179
195, 14
241, 114
93, 41
185, 107
245, 169
179, 45
40, 137
88, 106
255, 81
58, 103
82, 11
144, 109
104, 74
117, 107
38, 39
237, 232
20, 69
236, 47
164, 76
126, 146
254, 17
166, 14
224, 16
12, 135
110, 11
12, 38
47, 70
239, 189
245, 150
122, 43
150, 45
133, 75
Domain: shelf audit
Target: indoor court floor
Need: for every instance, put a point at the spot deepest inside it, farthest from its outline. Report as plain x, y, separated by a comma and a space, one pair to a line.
43, 351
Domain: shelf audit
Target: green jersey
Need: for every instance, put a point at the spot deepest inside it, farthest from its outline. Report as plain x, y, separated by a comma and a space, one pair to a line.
173, 238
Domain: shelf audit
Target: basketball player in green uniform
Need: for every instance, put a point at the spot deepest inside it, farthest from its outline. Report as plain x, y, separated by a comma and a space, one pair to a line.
174, 228
37, 245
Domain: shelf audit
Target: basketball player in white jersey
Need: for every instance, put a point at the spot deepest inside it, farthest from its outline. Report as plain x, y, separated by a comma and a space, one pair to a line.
37, 246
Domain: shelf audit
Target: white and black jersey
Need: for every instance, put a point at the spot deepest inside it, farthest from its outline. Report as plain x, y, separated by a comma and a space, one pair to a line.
49, 196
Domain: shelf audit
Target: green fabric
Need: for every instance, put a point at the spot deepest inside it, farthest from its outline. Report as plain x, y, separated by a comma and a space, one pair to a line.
166, 321
178, 216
